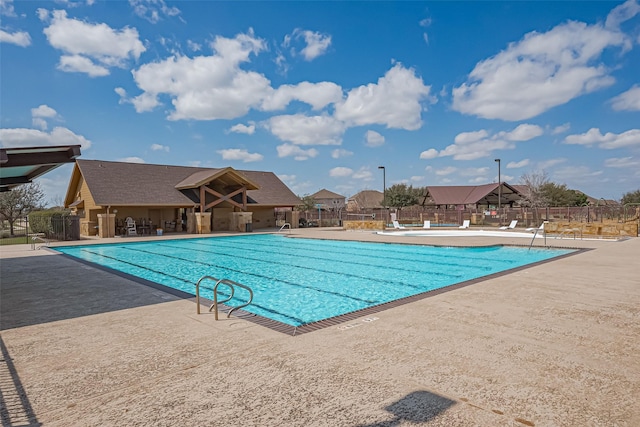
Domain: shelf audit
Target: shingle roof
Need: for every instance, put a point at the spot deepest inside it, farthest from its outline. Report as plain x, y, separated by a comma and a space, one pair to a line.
470, 194
141, 184
367, 199
326, 194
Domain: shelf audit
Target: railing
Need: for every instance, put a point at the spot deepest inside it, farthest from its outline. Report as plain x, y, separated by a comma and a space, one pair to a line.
286, 224
229, 283
536, 233
38, 237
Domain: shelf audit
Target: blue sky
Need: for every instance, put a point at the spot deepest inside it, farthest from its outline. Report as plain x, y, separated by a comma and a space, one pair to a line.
322, 93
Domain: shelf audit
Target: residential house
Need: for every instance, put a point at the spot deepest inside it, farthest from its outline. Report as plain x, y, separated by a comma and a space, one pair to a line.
329, 200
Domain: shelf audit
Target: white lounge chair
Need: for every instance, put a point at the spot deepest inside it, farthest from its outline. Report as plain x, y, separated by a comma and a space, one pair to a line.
510, 226
541, 228
465, 223
427, 224
396, 224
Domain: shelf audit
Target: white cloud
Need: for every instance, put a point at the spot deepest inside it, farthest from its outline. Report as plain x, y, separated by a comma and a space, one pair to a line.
627, 101
43, 14
476, 181
240, 154
193, 46
39, 123
425, 23
622, 13
152, 10
6, 8
622, 162
144, 102
205, 87
373, 138
478, 144
91, 48
19, 38
81, 64
561, 129
469, 137
363, 174
316, 43
545, 164
539, 72
340, 172
287, 150
341, 152
523, 132
474, 171
132, 159
318, 95
431, 153
395, 101
43, 111
516, 165
417, 178
240, 128
289, 180
609, 140
159, 147
576, 173
446, 171
22, 137
307, 130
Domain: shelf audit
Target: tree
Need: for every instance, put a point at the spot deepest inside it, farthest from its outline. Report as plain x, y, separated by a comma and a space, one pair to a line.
534, 195
17, 203
400, 195
308, 203
579, 198
559, 195
631, 197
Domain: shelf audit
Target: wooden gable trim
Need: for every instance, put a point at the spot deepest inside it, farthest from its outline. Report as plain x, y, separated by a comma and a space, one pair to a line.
222, 198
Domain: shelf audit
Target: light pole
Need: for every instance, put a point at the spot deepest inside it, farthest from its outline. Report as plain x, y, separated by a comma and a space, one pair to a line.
499, 193
384, 187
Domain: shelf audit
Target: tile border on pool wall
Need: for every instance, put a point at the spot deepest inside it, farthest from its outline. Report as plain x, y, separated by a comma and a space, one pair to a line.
325, 323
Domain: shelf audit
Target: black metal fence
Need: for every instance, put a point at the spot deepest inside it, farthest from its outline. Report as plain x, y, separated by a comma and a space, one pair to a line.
527, 217
57, 228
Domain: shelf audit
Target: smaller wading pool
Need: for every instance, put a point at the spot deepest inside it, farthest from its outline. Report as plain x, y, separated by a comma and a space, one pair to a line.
299, 281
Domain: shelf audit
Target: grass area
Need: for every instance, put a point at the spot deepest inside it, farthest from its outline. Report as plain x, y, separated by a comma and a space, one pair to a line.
16, 240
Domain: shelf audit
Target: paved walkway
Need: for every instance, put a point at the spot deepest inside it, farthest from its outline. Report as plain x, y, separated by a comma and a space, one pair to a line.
553, 345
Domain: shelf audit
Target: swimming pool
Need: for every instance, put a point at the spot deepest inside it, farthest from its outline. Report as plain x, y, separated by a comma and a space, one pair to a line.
298, 281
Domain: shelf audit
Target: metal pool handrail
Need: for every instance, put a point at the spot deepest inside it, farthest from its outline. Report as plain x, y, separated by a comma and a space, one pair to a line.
231, 284
536, 233
38, 237
286, 224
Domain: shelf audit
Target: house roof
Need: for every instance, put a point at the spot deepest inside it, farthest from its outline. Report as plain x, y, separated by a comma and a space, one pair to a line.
21, 165
367, 199
471, 194
227, 176
141, 184
326, 194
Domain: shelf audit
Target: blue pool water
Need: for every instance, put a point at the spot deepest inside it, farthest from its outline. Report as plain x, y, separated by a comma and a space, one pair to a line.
298, 281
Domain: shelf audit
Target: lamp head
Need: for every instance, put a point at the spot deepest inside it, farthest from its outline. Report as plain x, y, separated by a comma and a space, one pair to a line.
380, 167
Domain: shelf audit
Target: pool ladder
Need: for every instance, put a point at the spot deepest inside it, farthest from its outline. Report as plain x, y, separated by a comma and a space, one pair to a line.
232, 288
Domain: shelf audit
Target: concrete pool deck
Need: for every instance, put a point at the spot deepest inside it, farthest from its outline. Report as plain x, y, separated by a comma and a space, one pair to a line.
556, 344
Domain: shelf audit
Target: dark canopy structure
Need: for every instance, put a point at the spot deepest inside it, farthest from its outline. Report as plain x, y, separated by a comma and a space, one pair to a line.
21, 165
